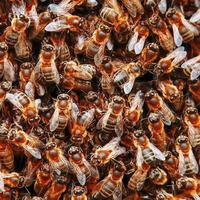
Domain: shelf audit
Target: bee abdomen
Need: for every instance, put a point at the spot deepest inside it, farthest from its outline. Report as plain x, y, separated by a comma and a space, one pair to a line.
148, 155
187, 35
108, 189
11, 39
92, 49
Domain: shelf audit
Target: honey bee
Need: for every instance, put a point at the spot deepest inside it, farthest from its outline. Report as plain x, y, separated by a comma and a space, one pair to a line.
133, 114
172, 93
156, 127
192, 67
80, 166
125, 77
171, 61
112, 121
111, 185
138, 39
162, 194
194, 89
56, 159
57, 188
187, 160
188, 187
146, 151
109, 151
28, 107
158, 176
79, 193
79, 125
29, 143
157, 105
183, 31
195, 18
148, 55
138, 178
171, 164
46, 67
43, 180
7, 70
15, 37
192, 120
159, 27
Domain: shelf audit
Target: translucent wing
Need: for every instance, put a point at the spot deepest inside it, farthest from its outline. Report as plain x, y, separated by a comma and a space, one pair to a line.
18, 9
158, 154
57, 26
94, 171
137, 101
132, 41
54, 121
34, 15
87, 118
139, 45
33, 151
182, 55
177, 36
176, 52
1, 183
190, 26
181, 165
74, 111
55, 71
64, 161
195, 73
197, 3
80, 43
119, 128
110, 45
103, 120
106, 80
117, 194
14, 100
162, 6
195, 17
58, 10
30, 90
195, 196
190, 62
194, 162
120, 75
79, 174
139, 156
112, 144
116, 151
9, 72
99, 55
129, 85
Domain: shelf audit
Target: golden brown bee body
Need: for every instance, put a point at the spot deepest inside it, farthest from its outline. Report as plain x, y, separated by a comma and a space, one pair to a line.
158, 176
4, 88
13, 180
108, 185
156, 127
43, 180
159, 27
79, 193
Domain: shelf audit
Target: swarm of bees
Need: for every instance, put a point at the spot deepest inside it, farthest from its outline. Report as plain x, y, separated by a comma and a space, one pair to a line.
99, 99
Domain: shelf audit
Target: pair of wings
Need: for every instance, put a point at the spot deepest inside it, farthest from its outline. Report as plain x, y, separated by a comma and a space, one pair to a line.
193, 133
137, 101
9, 71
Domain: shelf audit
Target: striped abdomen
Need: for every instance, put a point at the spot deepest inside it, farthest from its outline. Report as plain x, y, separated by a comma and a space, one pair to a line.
148, 155
11, 38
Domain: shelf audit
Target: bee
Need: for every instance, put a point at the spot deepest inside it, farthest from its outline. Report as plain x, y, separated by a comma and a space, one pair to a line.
194, 89
192, 67
156, 127
172, 93
146, 151
112, 121
111, 185
46, 67
159, 27
162, 194
7, 70
125, 77
192, 120
5, 88
15, 37
133, 114
171, 164
188, 187
109, 151
29, 143
28, 107
195, 18
56, 159
57, 188
187, 160
148, 55
79, 193
171, 61
156, 104
158, 176
183, 31
78, 127
137, 180
80, 166
161, 4
43, 179
134, 7
138, 39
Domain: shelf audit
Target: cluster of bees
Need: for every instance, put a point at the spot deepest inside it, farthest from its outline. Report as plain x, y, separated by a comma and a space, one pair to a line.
99, 99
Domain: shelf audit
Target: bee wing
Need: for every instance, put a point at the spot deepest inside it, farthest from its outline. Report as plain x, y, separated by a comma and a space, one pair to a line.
175, 53
55, 71
74, 111
190, 26
54, 121
180, 57
110, 45
114, 4
195, 196
139, 156
195, 17
117, 194
65, 162
57, 26
34, 15
129, 85
190, 62
19, 9
30, 90
194, 162
181, 165
94, 171
87, 118
177, 36
139, 45
1, 182
33, 151
14, 100
162, 5
195, 73
80, 42
132, 41
112, 144
9, 72
99, 55
137, 101
119, 128
158, 154
103, 120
